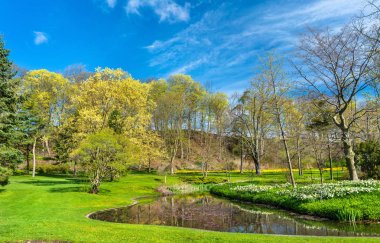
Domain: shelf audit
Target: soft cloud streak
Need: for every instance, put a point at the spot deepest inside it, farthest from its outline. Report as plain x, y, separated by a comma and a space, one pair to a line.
167, 10
225, 43
40, 37
111, 3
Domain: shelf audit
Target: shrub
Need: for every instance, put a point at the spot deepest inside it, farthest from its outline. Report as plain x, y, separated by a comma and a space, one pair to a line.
203, 180
49, 169
4, 176
369, 158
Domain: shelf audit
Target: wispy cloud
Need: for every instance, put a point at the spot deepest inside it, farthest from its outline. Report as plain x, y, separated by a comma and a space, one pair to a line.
224, 43
167, 10
40, 38
111, 3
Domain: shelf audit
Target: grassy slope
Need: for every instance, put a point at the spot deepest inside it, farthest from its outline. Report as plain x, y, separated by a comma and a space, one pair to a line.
51, 208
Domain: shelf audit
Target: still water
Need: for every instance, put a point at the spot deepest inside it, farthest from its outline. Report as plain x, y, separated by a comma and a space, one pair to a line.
211, 213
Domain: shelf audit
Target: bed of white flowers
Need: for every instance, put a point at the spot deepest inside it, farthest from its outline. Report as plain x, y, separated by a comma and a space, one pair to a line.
316, 191
256, 188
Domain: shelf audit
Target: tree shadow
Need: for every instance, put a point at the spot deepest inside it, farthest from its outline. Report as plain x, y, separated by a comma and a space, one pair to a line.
69, 189
76, 189
1, 190
65, 181
46, 182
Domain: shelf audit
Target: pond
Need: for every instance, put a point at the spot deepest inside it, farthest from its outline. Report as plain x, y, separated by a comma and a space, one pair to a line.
212, 213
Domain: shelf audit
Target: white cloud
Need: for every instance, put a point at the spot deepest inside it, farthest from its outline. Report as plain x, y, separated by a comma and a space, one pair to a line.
224, 44
111, 3
167, 10
40, 38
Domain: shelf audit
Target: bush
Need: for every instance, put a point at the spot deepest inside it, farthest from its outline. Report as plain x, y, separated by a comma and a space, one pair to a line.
203, 180
369, 158
10, 157
4, 176
49, 169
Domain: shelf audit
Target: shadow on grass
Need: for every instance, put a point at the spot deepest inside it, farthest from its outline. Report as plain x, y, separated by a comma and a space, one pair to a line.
76, 189
69, 189
46, 182
65, 181
1, 190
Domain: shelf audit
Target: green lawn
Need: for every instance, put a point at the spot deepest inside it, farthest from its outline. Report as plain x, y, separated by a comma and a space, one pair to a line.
54, 208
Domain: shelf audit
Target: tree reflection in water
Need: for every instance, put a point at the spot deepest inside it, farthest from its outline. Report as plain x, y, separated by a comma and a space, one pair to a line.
210, 213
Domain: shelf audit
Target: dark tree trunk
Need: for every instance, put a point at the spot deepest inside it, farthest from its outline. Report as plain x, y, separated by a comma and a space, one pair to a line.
27, 159
330, 160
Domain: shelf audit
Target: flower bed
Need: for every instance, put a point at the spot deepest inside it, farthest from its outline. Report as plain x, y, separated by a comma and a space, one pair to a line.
339, 201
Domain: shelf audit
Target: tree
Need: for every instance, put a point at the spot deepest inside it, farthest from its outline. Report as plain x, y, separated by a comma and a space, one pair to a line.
103, 154
46, 100
219, 109
112, 100
336, 67
272, 73
8, 108
252, 112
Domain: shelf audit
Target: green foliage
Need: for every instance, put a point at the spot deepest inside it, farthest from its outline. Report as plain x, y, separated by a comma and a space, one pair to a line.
10, 157
50, 169
4, 176
203, 180
104, 155
8, 86
349, 214
369, 158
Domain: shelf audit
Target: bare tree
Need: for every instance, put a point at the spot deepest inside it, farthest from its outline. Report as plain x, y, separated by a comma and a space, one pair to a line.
336, 67
273, 74
251, 113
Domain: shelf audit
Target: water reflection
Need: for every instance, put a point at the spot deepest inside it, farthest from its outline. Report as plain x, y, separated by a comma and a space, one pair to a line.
210, 213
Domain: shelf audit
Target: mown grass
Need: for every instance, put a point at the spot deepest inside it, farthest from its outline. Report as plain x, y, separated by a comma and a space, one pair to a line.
54, 208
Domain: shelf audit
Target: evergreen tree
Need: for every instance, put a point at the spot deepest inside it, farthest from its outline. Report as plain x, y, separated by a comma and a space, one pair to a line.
9, 156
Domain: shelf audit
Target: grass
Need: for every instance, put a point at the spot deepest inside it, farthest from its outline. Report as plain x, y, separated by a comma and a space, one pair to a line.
54, 208
351, 207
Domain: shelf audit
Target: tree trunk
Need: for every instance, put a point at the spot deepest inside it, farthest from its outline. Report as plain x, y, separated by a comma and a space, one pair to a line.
47, 146
34, 157
257, 167
206, 169
330, 159
285, 146
289, 160
188, 137
349, 155
75, 168
300, 172
149, 165
321, 174
172, 165
27, 159
241, 155
95, 183
182, 152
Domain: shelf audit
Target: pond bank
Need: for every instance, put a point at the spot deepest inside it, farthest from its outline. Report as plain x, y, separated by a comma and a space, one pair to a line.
217, 214
355, 207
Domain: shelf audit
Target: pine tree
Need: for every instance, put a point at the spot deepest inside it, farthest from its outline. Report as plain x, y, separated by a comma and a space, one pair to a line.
8, 95
9, 156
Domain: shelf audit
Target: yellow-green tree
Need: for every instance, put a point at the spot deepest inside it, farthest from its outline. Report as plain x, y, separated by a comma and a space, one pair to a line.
46, 99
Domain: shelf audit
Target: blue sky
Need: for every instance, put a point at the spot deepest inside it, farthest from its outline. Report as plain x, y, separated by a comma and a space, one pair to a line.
215, 41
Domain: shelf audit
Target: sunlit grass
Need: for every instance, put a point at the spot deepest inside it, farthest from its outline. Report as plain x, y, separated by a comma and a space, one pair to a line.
55, 208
